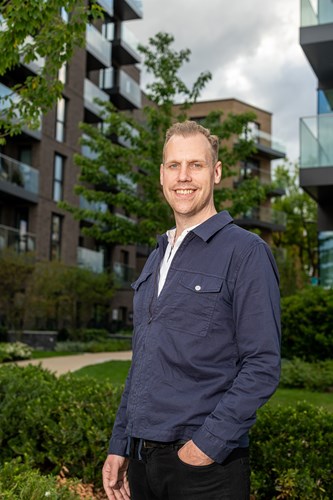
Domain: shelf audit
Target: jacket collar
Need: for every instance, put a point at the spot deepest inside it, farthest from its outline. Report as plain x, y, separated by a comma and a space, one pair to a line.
205, 230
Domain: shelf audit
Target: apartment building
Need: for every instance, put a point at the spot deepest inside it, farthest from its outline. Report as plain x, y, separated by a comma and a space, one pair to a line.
37, 168
263, 217
316, 132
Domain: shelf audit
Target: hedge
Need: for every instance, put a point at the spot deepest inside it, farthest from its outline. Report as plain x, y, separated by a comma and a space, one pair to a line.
307, 324
52, 423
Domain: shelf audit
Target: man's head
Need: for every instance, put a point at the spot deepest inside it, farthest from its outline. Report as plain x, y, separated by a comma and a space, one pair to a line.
189, 171
189, 128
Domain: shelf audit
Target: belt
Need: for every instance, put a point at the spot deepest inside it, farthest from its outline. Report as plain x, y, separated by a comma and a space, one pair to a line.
160, 444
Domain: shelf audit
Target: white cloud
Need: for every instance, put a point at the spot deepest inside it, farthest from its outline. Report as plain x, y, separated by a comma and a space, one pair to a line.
251, 48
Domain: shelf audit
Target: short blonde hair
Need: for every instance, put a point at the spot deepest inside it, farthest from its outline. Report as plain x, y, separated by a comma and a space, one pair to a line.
190, 127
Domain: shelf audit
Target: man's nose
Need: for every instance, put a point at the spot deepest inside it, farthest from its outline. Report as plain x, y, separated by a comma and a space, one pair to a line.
184, 172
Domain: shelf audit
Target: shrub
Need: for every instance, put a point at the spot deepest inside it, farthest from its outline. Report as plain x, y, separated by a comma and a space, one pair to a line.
290, 453
56, 422
19, 481
14, 351
109, 345
307, 319
312, 376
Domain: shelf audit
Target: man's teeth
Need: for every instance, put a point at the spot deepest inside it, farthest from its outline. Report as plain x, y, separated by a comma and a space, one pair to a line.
184, 191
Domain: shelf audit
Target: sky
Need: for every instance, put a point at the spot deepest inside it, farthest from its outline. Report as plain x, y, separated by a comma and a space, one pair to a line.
252, 49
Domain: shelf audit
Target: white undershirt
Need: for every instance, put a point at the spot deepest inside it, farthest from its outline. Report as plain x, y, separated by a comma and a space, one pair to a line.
170, 253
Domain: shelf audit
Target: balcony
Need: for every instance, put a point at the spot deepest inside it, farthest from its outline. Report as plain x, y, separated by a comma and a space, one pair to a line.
94, 206
316, 38
18, 179
263, 218
123, 274
107, 6
90, 259
266, 144
124, 48
6, 97
249, 171
14, 239
126, 10
124, 92
312, 17
90, 93
98, 49
316, 156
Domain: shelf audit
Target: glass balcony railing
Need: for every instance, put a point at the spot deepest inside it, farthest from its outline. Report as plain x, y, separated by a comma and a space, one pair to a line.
316, 141
107, 6
130, 88
98, 45
136, 5
7, 96
90, 259
265, 214
96, 206
265, 139
129, 39
264, 176
92, 92
19, 173
124, 275
20, 241
316, 12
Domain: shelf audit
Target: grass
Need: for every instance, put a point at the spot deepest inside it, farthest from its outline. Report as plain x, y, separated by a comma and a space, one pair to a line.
116, 371
112, 371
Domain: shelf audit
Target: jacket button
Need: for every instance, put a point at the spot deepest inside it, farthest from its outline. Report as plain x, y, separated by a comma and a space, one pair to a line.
197, 288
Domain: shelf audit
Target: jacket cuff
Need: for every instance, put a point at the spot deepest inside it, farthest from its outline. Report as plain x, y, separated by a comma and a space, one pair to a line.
212, 446
118, 447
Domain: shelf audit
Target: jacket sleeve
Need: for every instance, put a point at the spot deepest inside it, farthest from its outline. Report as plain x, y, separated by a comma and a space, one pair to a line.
256, 313
119, 440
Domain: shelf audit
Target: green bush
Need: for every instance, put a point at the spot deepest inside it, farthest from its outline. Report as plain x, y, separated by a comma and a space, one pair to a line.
109, 345
291, 453
14, 351
298, 374
56, 422
19, 482
307, 324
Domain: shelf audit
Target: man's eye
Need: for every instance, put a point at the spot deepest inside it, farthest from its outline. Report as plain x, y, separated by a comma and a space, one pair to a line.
173, 165
196, 166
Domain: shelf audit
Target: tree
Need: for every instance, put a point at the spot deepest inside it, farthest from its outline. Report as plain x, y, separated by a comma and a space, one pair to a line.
126, 179
299, 240
35, 30
62, 296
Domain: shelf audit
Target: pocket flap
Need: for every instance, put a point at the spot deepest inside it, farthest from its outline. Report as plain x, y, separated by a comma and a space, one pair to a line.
201, 283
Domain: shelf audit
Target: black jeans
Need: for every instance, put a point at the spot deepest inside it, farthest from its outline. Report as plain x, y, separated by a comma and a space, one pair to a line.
161, 475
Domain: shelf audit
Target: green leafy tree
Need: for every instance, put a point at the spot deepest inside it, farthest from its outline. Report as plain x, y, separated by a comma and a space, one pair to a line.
298, 258
15, 272
65, 297
35, 30
126, 179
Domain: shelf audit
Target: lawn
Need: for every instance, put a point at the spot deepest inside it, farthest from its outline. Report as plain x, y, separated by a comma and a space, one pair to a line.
116, 371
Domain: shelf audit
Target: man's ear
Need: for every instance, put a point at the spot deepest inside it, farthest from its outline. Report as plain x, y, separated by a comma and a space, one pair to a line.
217, 172
161, 174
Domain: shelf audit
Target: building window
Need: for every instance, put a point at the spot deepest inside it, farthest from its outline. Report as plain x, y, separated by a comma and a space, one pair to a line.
58, 177
61, 120
62, 74
325, 241
56, 229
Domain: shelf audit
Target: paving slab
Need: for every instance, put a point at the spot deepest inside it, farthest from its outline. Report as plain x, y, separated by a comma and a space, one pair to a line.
64, 364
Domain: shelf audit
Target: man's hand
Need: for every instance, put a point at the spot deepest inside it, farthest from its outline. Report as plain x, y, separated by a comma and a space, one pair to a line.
115, 478
192, 455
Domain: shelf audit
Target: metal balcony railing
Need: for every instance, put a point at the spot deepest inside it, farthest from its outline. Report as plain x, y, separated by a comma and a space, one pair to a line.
19, 173
15, 239
265, 214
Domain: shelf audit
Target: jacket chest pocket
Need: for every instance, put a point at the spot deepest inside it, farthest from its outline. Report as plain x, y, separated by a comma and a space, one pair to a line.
193, 303
143, 288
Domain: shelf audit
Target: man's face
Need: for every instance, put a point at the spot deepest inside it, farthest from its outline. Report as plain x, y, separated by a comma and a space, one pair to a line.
188, 177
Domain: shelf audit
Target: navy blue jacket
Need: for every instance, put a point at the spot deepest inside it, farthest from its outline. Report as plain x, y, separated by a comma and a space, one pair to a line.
206, 352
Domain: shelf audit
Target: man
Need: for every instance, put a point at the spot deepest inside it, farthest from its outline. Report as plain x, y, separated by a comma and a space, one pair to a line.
205, 345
